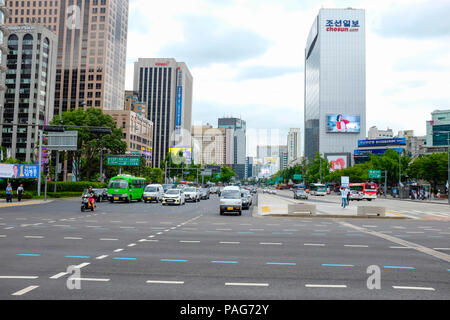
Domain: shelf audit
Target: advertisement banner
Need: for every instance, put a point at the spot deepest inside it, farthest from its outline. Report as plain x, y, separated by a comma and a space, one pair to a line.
382, 142
343, 123
187, 154
338, 162
19, 171
270, 160
179, 102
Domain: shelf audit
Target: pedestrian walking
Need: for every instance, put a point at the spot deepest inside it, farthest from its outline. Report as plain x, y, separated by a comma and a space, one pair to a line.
344, 194
20, 191
9, 193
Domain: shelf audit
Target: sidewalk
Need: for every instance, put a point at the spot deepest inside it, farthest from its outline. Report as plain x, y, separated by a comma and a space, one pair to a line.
4, 204
269, 205
435, 201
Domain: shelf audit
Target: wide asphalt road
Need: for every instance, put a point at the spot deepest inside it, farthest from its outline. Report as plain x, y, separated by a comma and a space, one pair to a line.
146, 251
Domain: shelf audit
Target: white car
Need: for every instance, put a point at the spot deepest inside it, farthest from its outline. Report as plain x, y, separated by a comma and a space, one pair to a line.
153, 192
231, 201
174, 196
272, 191
192, 194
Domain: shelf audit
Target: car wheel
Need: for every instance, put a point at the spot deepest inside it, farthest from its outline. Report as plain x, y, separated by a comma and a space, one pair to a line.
111, 201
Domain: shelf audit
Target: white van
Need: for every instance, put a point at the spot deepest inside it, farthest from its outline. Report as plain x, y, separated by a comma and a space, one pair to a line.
231, 200
153, 192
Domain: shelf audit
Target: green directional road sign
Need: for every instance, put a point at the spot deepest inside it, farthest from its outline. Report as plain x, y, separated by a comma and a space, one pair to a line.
298, 177
374, 174
123, 161
279, 179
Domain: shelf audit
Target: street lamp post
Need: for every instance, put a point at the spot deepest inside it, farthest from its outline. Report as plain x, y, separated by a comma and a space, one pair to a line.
448, 164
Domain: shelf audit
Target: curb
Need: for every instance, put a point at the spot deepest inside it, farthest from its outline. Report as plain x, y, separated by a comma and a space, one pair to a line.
331, 216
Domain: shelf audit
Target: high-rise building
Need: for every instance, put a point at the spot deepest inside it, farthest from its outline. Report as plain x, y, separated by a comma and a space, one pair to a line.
375, 133
92, 44
30, 88
137, 132
132, 103
165, 85
294, 145
240, 143
335, 82
212, 145
438, 131
4, 14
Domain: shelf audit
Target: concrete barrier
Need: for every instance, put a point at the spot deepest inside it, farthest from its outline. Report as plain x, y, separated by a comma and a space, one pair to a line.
302, 209
371, 210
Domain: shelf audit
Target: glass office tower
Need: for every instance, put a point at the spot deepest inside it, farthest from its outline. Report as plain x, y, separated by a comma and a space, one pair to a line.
335, 83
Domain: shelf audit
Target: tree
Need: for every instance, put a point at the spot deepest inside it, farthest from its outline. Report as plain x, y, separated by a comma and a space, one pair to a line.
389, 162
432, 168
90, 144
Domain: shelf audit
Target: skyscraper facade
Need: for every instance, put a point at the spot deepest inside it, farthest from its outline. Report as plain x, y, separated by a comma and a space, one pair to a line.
294, 144
92, 44
30, 88
335, 82
166, 86
240, 143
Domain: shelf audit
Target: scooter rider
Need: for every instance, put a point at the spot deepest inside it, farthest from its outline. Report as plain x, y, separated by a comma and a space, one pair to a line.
91, 194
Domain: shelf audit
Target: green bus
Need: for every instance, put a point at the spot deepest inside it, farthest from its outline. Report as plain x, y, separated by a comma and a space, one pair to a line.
126, 188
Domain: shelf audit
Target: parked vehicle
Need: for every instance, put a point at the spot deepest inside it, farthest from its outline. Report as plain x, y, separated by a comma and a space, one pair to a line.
173, 196
126, 188
153, 192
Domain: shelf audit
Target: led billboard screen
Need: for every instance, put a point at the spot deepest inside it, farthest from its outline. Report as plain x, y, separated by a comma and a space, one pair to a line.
343, 123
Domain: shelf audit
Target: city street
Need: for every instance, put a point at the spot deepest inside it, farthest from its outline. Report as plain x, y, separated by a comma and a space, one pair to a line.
147, 251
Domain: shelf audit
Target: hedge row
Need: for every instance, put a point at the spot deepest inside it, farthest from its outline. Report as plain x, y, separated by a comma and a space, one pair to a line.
61, 186
28, 195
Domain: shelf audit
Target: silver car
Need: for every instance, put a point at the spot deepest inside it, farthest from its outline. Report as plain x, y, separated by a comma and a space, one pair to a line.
192, 194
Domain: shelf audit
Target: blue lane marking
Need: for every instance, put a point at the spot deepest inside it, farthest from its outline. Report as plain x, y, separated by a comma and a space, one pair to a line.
402, 235
39, 227
173, 260
124, 258
28, 255
231, 262
397, 267
79, 257
282, 263
337, 265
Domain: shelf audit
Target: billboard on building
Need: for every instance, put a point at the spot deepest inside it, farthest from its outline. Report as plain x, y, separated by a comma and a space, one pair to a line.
186, 154
270, 160
338, 162
343, 123
179, 101
19, 171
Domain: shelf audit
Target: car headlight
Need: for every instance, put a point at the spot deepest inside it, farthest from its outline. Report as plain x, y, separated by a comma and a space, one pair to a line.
109, 195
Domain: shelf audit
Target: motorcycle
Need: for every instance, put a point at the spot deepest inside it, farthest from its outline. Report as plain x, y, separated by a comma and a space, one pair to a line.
86, 204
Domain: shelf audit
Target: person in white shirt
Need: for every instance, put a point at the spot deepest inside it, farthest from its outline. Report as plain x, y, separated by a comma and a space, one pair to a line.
344, 194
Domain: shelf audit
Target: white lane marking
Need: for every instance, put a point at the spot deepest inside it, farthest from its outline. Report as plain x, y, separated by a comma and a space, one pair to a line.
418, 247
415, 232
413, 288
315, 244
91, 279
441, 248
324, 286
356, 246
145, 240
167, 230
9, 228
102, 257
230, 242
190, 241
25, 291
151, 236
2, 236
109, 239
159, 233
82, 265
271, 244
164, 282
132, 245
19, 277
34, 237
72, 238
247, 284
401, 247
59, 275
366, 226
118, 250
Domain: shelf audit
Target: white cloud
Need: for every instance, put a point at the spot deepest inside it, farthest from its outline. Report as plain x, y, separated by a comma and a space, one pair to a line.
407, 75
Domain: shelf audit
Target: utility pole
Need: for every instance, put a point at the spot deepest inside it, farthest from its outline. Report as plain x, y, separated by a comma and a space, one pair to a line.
56, 170
41, 140
399, 176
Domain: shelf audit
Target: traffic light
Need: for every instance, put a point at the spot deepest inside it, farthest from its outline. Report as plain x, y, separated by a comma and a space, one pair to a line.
46, 169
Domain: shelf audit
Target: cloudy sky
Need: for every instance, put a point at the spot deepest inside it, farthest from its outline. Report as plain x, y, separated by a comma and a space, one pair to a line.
247, 57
